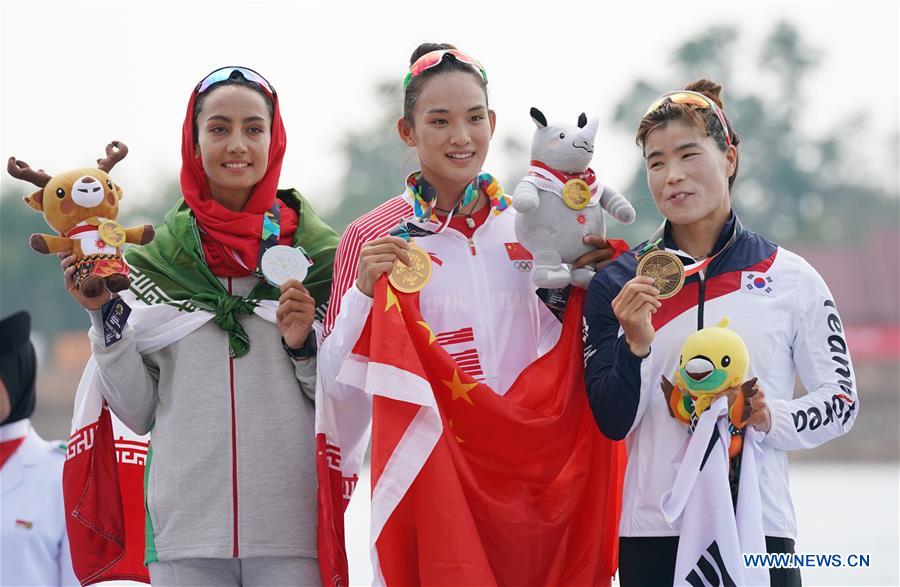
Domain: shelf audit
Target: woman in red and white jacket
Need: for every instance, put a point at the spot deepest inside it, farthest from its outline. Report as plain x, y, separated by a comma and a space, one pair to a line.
480, 301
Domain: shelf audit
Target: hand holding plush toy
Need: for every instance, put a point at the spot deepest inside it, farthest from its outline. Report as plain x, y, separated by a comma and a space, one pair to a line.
561, 201
713, 361
82, 206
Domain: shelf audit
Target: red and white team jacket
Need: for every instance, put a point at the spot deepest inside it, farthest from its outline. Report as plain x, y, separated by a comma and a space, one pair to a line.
480, 301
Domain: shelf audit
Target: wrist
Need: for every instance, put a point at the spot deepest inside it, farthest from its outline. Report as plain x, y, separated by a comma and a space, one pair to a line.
95, 304
638, 350
304, 351
767, 423
366, 289
295, 339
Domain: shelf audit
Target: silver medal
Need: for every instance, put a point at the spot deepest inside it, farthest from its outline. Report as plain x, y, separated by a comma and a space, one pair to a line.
282, 263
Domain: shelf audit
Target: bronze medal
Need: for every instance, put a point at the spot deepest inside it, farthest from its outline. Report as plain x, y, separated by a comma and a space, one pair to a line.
414, 277
576, 194
112, 233
666, 270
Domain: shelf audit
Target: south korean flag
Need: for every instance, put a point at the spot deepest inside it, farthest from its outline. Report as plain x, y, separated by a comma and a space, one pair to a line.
714, 535
758, 284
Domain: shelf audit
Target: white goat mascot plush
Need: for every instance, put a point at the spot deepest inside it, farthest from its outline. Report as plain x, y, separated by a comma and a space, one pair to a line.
561, 200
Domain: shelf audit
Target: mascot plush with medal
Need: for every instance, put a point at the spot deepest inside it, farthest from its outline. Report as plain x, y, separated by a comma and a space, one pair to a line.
561, 200
713, 359
82, 206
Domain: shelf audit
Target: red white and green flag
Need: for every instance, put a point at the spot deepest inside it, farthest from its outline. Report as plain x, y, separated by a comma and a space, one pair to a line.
103, 485
468, 487
103, 477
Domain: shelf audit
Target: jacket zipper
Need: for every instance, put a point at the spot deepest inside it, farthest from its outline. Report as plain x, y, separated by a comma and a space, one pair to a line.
702, 289
487, 352
234, 487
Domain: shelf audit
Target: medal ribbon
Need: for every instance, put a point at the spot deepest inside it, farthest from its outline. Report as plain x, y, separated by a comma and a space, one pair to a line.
423, 200
698, 266
694, 267
92, 223
551, 180
540, 169
271, 230
80, 229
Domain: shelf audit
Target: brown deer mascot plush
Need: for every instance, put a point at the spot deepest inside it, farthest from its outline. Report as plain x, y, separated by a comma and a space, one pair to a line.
82, 206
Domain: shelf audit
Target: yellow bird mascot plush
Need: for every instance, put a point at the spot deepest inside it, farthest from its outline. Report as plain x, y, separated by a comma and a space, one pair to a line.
714, 360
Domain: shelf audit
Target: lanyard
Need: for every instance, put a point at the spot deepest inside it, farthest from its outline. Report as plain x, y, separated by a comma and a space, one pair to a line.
271, 231
696, 266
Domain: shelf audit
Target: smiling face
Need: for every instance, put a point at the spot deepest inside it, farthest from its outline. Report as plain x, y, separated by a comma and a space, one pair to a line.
451, 128
77, 195
688, 174
233, 137
564, 147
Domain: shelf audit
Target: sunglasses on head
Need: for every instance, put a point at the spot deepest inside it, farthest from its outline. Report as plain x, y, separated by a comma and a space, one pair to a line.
433, 58
689, 98
224, 73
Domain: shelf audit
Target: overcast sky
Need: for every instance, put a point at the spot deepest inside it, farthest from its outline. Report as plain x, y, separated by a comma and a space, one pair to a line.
77, 74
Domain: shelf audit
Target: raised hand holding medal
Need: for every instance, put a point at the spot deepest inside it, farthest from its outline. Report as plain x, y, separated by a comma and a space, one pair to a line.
665, 269
377, 257
282, 263
285, 267
412, 277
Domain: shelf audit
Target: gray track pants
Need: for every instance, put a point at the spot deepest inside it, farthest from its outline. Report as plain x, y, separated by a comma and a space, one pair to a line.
248, 572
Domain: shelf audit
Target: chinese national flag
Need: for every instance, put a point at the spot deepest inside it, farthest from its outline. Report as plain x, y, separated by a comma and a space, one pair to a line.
517, 252
473, 488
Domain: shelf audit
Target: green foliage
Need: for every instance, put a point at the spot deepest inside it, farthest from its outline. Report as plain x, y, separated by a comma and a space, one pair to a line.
28, 280
377, 163
790, 186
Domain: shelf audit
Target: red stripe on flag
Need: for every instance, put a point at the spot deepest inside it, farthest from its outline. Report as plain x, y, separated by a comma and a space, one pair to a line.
104, 503
456, 336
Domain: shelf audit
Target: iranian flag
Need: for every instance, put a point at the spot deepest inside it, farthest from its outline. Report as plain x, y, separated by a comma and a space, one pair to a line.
468, 487
103, 477
103, 489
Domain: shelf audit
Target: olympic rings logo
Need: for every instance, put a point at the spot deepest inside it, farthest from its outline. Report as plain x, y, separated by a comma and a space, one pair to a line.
523, 265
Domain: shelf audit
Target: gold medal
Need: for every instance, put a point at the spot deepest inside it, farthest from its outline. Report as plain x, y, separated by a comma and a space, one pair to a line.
666, 270
576, 194
412, 278
112, 233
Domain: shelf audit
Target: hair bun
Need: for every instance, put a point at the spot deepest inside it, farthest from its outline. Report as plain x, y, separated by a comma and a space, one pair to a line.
708, 88
428, 48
